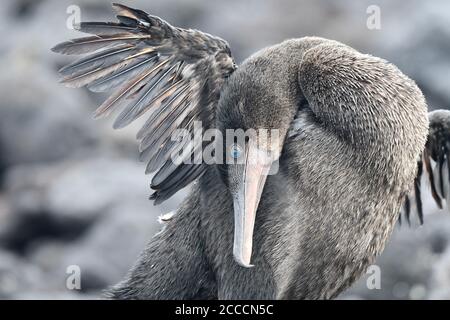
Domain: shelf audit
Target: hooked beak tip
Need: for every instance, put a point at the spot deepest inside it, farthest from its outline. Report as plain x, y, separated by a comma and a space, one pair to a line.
242, 262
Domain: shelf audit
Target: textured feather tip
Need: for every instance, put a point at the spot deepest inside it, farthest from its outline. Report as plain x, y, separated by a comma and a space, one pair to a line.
164, 218
131, 13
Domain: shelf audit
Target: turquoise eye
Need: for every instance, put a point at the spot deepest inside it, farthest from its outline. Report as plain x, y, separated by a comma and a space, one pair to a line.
235, 151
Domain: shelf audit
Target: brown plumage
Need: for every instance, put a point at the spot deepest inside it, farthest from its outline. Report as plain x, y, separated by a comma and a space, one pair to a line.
352, 126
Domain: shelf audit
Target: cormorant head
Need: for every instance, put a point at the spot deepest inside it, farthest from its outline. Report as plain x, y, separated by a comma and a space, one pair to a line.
253, 121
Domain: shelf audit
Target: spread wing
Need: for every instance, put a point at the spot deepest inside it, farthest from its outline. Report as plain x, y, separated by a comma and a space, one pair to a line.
434, 166
172, 74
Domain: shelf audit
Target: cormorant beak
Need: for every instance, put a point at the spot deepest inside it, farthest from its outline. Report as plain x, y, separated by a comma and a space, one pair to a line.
256, 167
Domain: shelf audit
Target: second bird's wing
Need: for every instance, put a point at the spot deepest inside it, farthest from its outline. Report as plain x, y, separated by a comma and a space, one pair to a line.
434, 166
172, 74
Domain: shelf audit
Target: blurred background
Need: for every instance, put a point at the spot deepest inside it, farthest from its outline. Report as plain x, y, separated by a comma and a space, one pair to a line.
72, 191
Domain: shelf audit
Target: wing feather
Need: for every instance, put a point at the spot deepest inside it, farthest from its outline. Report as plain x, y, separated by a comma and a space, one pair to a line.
94, 43
435, 163
173, 75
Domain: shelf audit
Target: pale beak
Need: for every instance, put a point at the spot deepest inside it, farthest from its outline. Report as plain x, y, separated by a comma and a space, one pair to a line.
255, 170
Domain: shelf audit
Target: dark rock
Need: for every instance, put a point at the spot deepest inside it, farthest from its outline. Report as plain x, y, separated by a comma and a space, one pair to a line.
41, 122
